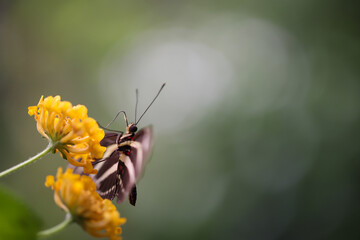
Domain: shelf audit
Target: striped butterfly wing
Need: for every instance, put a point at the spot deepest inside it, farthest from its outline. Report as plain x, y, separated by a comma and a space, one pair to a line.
107, 179
141, 148
140, 151
112, 177
112, 172
117, 171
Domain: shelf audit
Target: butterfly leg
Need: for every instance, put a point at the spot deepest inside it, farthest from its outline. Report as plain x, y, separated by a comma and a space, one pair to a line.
118, 138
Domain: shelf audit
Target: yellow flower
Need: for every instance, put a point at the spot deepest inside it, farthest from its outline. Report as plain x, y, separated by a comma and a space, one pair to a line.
75, 135
77, 195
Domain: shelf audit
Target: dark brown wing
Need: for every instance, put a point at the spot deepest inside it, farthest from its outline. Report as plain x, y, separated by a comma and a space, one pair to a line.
109, 139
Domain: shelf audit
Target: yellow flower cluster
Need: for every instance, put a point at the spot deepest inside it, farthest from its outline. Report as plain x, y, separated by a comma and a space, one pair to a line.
77, 195
75, 135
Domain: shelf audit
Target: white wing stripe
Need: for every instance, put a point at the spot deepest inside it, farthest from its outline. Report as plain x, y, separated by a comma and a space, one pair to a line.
109, 150
139, 156
107, 191
130, 168
108, 172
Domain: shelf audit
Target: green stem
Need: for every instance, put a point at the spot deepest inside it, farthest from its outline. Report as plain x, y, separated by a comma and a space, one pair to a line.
45, 233
30, 160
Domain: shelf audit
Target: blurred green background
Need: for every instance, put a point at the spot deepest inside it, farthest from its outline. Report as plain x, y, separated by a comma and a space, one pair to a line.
257, 129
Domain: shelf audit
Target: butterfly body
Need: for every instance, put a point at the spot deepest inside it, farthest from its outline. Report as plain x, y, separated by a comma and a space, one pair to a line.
122, 163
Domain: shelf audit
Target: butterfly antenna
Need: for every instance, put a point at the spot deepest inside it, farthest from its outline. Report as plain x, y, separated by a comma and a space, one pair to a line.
107, 129
161, 88
123, 112
137, 99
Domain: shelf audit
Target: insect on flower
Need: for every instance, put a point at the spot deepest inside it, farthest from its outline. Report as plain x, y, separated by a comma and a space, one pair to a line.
124, 159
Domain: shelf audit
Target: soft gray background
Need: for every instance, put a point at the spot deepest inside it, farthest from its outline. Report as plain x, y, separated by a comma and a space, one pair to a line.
256, 130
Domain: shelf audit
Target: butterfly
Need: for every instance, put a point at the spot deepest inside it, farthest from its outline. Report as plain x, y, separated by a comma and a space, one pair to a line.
123, 162
124, 159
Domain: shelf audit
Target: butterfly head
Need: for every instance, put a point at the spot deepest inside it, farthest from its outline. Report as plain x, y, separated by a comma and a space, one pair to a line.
131, 128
